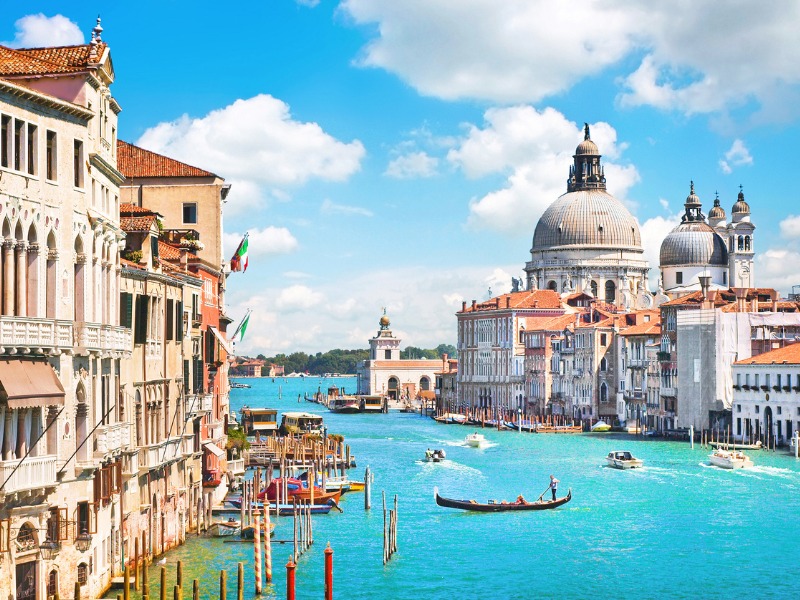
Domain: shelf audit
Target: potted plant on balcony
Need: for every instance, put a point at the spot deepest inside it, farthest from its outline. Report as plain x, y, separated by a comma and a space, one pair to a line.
190, 242
135, 256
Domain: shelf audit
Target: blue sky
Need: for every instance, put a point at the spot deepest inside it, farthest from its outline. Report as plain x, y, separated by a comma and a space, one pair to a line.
398, 153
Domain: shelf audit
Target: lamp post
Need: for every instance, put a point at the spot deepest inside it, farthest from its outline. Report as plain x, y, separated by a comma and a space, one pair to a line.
83, 541
519, 419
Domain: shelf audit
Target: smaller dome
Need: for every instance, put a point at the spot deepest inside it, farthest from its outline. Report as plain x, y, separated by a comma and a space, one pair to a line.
587, 146
693, 243
692, 199
384, 322
741, 207
717, 212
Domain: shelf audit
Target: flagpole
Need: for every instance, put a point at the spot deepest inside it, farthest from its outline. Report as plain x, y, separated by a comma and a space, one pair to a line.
239, 326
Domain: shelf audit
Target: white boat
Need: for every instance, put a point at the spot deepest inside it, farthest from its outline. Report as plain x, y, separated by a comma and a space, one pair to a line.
224, 528
475, 440
622, 459
434, 455
730, 459
600, 426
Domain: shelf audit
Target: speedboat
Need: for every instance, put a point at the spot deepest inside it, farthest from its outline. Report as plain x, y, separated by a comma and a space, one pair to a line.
434, 455
600, 426
475, 440
622, 459
730, 459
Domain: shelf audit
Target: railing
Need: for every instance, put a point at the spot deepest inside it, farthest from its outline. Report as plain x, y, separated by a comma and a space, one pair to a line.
97, 337
35, 472
30, 332
199, 403
155, 455
236, 466
187, 444
638, 363
669, 391
110, 438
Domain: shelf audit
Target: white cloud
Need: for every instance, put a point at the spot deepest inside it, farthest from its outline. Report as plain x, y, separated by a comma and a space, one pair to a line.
298, 298
778, 269
269, 241
413, 165
737, 156
653, 232
36, 31
689, 55
790, 228
535, 150
256, 141
330, 208
330, 315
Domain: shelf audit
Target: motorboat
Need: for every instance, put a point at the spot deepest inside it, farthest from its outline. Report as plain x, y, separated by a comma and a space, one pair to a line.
600, 427
622, 459
224, 528
475, 440
434, 455
730, 459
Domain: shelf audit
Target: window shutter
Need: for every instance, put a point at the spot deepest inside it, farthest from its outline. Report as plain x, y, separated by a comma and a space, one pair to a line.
187, 384
98, 484
142, 306
170, 320
198, 376
126, 309
179, 320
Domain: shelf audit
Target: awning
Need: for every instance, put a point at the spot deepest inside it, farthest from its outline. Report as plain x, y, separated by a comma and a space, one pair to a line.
222, 341
214, 449
30, 383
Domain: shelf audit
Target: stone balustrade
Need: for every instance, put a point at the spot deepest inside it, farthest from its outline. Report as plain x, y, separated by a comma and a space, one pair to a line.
155, 455
112, 438
35, 472
25, 334
95, 337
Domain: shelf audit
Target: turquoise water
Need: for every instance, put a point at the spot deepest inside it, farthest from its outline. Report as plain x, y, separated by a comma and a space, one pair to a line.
677, 528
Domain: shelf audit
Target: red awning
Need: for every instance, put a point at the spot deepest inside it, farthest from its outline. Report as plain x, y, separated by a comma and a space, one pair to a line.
29, 383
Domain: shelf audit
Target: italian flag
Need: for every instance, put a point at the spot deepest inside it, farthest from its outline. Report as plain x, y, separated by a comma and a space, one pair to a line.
243, 327
239, 260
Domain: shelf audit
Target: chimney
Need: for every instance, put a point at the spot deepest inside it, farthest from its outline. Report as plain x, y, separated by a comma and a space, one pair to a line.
508, 301
184, 259
473, 305
463, 305
740, 298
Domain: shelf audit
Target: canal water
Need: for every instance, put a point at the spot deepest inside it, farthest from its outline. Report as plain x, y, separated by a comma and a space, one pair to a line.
677, 528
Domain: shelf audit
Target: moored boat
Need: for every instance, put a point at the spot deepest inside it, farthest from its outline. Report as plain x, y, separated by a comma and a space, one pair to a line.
600, 427
622, 459
756, 446
730, 459
224, 528
494, 506
248, 533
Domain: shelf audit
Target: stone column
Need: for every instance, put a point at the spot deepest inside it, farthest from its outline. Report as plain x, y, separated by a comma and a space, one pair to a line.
82, 431
33, 275
8, 277
22, 279
51, 283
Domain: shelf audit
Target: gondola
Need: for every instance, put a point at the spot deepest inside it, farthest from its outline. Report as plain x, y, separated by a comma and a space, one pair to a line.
491, 506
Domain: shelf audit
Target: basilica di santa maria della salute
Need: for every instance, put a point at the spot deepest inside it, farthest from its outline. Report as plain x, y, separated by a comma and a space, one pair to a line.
588, 241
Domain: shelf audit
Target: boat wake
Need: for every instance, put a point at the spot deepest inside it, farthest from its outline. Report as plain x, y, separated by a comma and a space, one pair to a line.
771, 471
447, 464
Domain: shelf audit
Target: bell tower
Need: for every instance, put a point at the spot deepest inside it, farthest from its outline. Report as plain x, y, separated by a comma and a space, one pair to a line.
741, 250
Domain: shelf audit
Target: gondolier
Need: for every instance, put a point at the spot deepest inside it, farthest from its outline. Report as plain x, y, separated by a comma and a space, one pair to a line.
553, 485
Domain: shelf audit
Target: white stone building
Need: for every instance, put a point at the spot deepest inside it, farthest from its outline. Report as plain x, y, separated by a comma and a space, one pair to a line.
766, 396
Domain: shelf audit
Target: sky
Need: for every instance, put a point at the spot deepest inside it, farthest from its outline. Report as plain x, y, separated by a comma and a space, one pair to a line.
397, 154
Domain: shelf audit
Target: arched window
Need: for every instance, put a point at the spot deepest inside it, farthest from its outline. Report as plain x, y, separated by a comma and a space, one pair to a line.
83, 573
26, 538
52, 584
747, 242
552, 285
740, 243
611, 292
78, 281
603, 364
593, 286
603, 392
425, 383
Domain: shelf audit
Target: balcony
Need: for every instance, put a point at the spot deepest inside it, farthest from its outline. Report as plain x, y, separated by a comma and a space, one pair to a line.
634, 395
155, 455
638, 363
111, 439
21, 335
94, 337
199, 404
187, 444
35, 473
670, 392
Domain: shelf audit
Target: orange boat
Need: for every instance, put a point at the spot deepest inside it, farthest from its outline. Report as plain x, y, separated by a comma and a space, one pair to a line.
297, 490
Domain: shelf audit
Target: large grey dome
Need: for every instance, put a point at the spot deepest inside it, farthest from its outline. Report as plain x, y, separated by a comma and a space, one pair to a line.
587, 218
693, 243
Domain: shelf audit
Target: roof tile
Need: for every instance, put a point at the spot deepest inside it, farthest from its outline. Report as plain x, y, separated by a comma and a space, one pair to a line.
47, 61
133, 161
788, 354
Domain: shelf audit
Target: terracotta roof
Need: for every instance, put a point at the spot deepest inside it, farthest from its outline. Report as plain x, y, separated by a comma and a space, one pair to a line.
133, 161
650, 328
130, 264
548, 323
788, 354
130, 210
137, 223
168, 251
519, 300
47, 61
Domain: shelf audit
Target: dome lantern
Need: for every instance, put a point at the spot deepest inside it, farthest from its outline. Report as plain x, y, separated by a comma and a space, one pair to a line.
586, 172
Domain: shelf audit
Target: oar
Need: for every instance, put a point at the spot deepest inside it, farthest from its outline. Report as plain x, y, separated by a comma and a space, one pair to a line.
543, 493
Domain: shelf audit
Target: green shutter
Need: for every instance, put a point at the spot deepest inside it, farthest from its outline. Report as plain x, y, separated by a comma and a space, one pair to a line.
126, 309
187, 384
170, 320
179, 320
